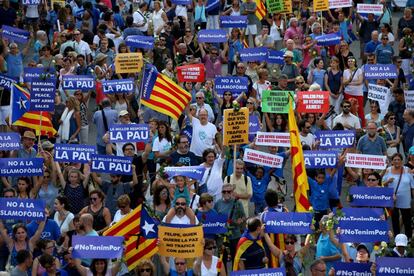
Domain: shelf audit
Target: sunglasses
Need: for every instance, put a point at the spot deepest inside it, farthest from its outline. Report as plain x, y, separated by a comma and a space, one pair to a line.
227, 94
180, 263
199, 98
300, 82
93, 198
211, 248
226, 192
249, 103
372, 179
181, 204
347, 106
145, 270
392, 118
384, 38
209, 201
290, 242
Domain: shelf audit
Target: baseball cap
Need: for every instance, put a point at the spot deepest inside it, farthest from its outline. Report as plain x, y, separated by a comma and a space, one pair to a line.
123, 112
363, 246
401, 240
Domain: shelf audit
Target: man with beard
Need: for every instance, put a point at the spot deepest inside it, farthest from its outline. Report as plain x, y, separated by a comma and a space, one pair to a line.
183, 155
180, 213
372, 143
346, 118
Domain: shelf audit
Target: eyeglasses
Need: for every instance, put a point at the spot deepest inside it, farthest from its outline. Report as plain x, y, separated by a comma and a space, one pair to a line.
181, 204
249, 103
199, 98
290, 242
226, 192
300, 82
209, 201
211, 248
384, 38
184, 142
180, 263
145, 270
372, 179
346, 106
391, 118
93, 198
227, 94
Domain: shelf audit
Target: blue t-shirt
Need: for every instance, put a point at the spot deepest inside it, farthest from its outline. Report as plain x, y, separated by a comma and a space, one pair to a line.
320, 193
367, 146
371, 46
51, 230
325, 248
259, 186
14, 65
384, 54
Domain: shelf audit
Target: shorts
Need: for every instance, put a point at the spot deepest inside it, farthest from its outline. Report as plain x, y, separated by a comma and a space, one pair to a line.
251, 29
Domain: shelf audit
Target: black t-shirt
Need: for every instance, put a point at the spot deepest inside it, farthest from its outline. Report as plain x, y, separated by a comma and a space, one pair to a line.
189, 159
137, 194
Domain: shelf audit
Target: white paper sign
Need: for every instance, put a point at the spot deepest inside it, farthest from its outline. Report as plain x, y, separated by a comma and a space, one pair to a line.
262, 158
370, 8
356, 160
276, 139
409, 99
381, 94
334, 4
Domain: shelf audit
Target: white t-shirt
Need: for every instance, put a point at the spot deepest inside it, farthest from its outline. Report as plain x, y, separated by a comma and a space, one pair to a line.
260, 87
32, 11
63, 225
161, 146
118, 216
214, 181
350, 119
203, 137
308, 140
139, 18
350, 89
213, 269
183, 220
181, 10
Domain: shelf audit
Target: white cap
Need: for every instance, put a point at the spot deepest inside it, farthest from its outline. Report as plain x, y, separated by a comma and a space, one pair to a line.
401, 240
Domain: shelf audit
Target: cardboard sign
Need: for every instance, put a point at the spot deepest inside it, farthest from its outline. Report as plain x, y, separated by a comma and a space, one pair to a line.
275, 6
356, 160
262, 158
42, 96
320, 5
275, 101
236, 127
180, 242
128, 63
97, 247
380, 71
15, 208
409, 99
381, 94
9, 141
334, 4
277, 139
21, 166
377, 9
191, 73
313, 101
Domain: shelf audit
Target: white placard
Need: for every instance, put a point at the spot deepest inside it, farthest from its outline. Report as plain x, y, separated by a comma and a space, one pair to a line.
409, 99
381, 94
370, 8
334, 4
367, 161
262, 158
276, 139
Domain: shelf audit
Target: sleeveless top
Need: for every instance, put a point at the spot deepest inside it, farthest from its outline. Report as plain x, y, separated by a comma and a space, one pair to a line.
13, 255
213, 269
98, 218
295, 263
76, 197
334, 81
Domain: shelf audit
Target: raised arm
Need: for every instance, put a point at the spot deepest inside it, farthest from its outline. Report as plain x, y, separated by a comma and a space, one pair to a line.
33, 240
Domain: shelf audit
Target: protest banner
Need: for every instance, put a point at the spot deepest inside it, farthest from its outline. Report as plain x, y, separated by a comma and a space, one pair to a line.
363, 225
328, 39
21, 166
212, 4
236, 85
352, 268
287, 7
387, 266
262, 158
381, 94
129, 133
409, 99
9, 141
118, 86
102, 247
313, 101
181, 2
277, 139
377, 9
111, 164
42, 96
193, 172
35, 73
128, 63
254, 125
371, 196
253, 54
380, 71
78, 82
335, 138
6, 81
320, 5
15, 34
236, 127
212, 36
31, 2
191, 73
233, 21
287, 223
276, 6
275, 101
275, 57
16, 208
315, 159
356, 160
335, 4
140, 42
73, 153
213, 223
180, 242
260, 272
62, 3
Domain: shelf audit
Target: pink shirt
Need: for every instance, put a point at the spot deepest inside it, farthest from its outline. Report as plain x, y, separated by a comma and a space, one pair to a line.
291, 32
213, 69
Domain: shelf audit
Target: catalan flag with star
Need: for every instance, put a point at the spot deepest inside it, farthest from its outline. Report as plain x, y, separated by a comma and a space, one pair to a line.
21, 115
161, 94
140, 231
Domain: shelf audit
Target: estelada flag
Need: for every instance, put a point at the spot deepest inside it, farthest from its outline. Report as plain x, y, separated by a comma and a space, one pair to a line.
140, 232
21, 116
244, 243
161, 94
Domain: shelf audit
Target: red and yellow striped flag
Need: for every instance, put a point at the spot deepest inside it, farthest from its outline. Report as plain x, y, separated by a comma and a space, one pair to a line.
129, 228
260, 9
246, 42
300, 179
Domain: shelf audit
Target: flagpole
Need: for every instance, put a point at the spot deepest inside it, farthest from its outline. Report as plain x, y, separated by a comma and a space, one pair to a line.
234, 158
40, 129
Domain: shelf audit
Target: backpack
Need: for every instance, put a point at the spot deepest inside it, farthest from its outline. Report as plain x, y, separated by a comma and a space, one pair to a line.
245, 179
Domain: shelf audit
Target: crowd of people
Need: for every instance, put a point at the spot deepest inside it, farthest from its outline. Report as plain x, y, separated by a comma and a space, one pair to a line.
83, 38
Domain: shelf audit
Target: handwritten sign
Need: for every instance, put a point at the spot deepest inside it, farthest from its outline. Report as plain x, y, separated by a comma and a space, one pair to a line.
262, 158
236, 127
275, 101
370, 8
277, 139
335, 4
128, 63
180, 242
320, 5
356, 160
313, 101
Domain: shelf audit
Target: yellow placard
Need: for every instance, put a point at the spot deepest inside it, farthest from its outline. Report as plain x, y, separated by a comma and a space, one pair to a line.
236, 127
128, 63
180, 242
288, 6
320, 5
62, 3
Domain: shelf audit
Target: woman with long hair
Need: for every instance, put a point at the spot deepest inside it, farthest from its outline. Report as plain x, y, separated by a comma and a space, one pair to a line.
46, 247
162, 201
235, 46
392, 133
343, 54
24, 188
101, 214
317, 75
162, 147
98, 267
145, 268
333, 83
209, 264
83, 109
352, 80
63, 216
70, 122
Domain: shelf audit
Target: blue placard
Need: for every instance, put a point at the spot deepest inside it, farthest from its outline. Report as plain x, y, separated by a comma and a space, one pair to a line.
212, 36
380, 71
31, 2
254, 124
101, 247
233, 21
212, 4
194, 172
111, 164
21, 166
363, 225
372, 196
9, 141
328, 39
387, 266
34, 73
74, 153
320, 159
15, 34
236, 85
16, 208
213, 223
260, 272
148, 81
78, 82
140, 41
6, 81
336, 138
129, 133
118, 86
287, 223
42, 96
352, 269
275, 57
182, 2
253, 54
